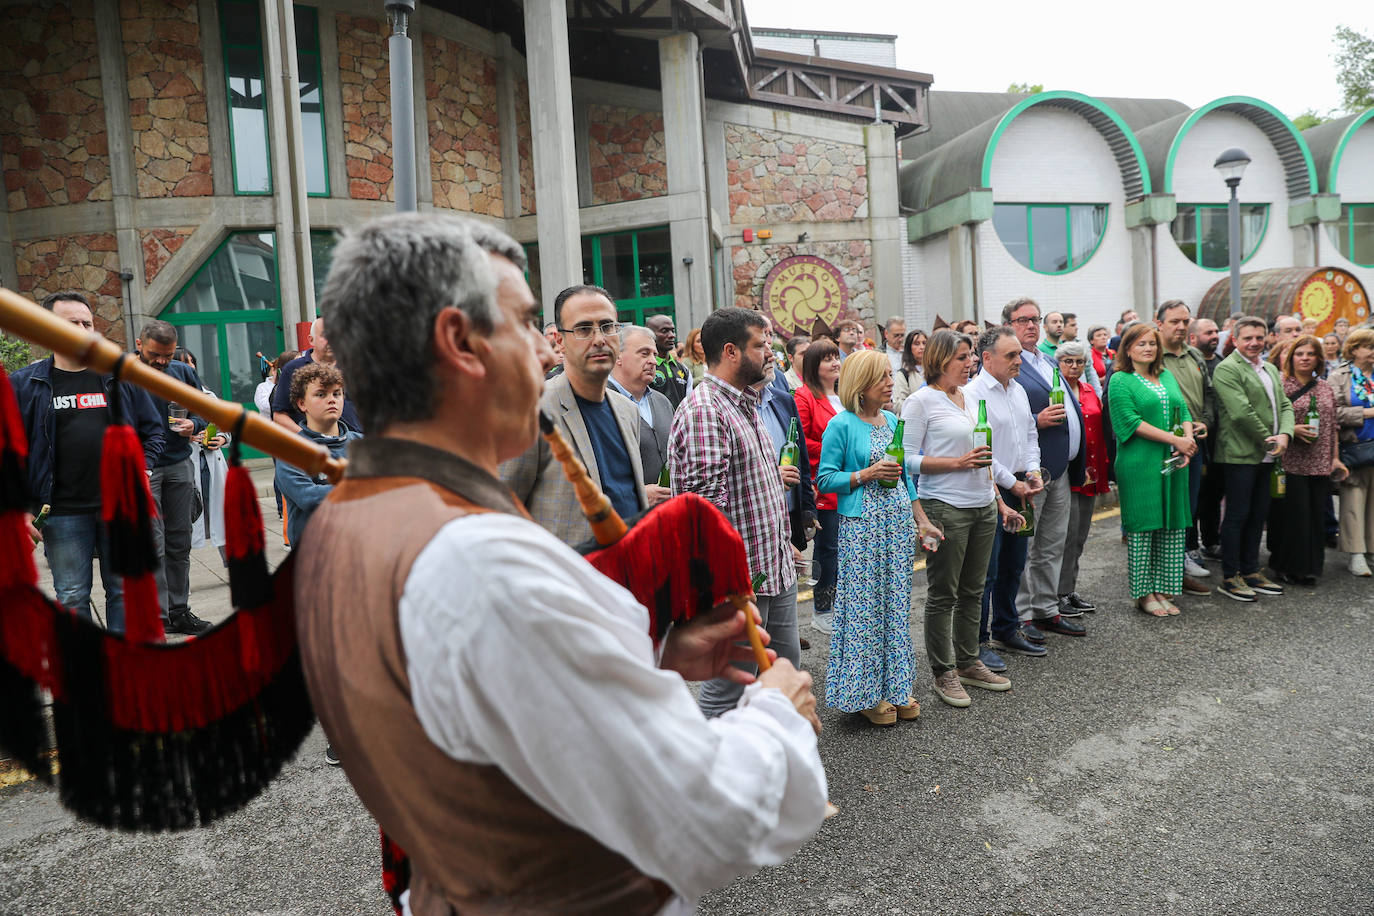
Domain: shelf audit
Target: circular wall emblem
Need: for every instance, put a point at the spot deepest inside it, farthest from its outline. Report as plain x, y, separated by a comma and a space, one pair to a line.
1316, 300
802, 288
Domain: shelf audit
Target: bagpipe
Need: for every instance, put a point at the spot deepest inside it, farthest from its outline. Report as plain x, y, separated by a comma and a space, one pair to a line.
149, 735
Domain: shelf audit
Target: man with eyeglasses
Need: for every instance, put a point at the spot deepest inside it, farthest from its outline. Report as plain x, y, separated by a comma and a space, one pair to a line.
671, 377
1060, 432
602, 426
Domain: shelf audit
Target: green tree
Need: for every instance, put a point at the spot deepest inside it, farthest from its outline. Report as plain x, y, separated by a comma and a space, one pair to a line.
1026, 88
1309, 118
14, 353
1355, 69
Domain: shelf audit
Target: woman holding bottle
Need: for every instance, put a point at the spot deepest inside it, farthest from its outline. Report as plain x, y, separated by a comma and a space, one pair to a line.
1297, 523
957, 499
870, 668
1154, 434
817, 403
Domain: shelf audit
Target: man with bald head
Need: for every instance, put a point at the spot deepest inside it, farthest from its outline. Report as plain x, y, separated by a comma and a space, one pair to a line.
285, 412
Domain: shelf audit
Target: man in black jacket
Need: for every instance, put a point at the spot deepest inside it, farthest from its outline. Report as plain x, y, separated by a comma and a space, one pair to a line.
66, 408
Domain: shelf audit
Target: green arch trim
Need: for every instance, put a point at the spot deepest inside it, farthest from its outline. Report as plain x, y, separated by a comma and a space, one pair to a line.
1065, 95
1340, 148
1198, 114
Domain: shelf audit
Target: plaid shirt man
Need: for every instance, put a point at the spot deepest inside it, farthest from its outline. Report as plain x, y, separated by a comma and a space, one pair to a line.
720, 450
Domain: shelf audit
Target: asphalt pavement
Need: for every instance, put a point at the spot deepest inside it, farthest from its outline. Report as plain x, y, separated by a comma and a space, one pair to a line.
1215, 762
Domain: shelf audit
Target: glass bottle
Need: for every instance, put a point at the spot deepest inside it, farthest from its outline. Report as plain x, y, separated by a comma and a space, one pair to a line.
1173, 462
1027, 529
895, 451
1057, 390
791, 452
1313, 417
663, 479
982, 432
1278, 481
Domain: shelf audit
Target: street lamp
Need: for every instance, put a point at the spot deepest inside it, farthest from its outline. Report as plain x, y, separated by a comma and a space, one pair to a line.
398, 13
1231, 165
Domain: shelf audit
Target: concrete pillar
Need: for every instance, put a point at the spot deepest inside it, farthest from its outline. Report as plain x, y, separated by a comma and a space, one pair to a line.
1143, 269
889, 230
288, 164
507, 62
555, 160
962, 283
679, 64
123, 190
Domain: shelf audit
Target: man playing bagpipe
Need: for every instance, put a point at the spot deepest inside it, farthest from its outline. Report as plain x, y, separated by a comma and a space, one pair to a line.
499, 705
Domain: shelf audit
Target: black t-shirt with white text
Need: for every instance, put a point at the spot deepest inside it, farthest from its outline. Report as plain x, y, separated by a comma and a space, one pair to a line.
81, 413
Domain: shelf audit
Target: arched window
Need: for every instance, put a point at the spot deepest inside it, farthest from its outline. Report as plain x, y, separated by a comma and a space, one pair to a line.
1353, 235
1202, 234
1051, 238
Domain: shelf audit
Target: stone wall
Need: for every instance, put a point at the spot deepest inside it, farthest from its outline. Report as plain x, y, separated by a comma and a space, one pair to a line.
464, 127
53, 145
626, 154
524, 140
158, 247
775, 177
365, 75
750, 265
166, 72
89, 263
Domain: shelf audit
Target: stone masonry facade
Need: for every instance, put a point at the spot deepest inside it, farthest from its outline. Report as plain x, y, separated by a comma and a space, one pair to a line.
89, 263
524, 141
365, 76
167, 113
750, 265
53, 145
464, 127
775, 177
158, 246
626, 154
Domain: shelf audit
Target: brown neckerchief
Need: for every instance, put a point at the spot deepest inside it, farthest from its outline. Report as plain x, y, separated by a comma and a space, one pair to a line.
383, 456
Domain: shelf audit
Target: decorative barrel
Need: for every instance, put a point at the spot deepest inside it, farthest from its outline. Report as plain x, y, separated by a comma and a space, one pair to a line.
1323, 293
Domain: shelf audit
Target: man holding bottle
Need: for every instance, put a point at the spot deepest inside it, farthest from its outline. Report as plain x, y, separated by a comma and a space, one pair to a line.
1059, 426
1016, 471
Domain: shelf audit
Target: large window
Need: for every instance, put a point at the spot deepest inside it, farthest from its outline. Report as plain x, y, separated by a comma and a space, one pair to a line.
249, 128
311, 102
1202, 234
243, 66
229, 312
635, 267
1050, 238
1353, 235
322, 242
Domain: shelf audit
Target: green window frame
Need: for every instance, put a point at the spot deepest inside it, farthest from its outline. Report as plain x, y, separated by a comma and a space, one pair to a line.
1207, 252
1059, 248
250, 134
311, 101
1353, 234
647, 254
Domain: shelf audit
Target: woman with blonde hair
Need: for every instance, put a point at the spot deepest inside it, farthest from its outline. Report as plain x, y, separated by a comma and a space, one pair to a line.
1353, 386
693, 356
1145, 400
870, 668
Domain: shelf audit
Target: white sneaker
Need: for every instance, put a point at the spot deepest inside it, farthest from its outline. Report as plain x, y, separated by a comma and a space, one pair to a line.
823, 623
1358, 566
1193, 568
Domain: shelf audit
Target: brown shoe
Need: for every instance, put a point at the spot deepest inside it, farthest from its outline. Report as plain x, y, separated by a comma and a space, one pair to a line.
948, 688
882, 714
1193, 586
909, 710
979, 675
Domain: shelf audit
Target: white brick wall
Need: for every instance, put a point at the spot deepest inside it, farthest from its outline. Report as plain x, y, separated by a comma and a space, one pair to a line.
1052, 156
913, 290
1196, 182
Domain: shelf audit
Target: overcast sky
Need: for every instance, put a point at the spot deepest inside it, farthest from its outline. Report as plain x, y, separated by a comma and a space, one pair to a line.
1191, 51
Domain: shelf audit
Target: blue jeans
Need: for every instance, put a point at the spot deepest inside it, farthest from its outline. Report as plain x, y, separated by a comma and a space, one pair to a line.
70, 542
1242, 525
825, 556
1008, 561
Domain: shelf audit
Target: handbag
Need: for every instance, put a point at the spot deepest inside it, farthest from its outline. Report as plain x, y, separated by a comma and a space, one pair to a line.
1355, 455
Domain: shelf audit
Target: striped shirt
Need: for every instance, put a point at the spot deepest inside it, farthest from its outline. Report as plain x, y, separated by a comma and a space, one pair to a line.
720, 450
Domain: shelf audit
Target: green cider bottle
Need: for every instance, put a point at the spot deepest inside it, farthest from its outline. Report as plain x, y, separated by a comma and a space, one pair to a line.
1173, 462
982, 432
1057, 390
1278, 481
1313, 418
790, 455
896, 451
663, 479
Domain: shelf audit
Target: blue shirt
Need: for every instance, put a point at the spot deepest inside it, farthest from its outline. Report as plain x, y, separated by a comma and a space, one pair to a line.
613, 462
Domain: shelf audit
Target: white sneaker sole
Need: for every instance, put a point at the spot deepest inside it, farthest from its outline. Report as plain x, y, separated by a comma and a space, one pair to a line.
983, 685
953, 701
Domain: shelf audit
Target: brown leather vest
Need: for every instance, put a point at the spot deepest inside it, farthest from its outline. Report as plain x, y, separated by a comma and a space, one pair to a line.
477, 843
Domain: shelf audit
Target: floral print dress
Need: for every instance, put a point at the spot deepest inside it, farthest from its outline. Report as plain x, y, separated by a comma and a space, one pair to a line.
870, 651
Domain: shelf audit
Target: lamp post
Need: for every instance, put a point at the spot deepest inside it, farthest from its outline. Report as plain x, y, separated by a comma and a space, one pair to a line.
1231, 165
398, 13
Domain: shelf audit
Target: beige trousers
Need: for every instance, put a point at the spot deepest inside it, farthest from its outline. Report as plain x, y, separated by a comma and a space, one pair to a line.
1357, 515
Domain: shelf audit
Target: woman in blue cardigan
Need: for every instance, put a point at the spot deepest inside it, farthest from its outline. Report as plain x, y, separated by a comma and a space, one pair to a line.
871, 665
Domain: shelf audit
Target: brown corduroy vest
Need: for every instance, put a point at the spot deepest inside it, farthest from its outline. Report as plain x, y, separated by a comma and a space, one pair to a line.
477, 843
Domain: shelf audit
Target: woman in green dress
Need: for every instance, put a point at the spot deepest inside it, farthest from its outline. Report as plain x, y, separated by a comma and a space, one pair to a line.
1144, 402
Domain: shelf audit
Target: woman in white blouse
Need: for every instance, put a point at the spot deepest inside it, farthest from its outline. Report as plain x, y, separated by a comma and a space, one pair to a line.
955, 494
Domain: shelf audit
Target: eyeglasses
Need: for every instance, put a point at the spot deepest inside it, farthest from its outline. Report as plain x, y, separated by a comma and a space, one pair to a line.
1026, 320
588, 331
1073, 362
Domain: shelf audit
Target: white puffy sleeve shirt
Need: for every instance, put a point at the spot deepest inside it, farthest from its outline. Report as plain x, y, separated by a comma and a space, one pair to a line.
523, 656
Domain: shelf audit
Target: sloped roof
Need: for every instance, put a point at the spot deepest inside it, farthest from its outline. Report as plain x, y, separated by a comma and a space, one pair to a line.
1327, 142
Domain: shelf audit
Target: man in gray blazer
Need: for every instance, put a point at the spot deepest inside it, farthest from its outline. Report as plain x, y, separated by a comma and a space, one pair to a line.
602, 426
633, 374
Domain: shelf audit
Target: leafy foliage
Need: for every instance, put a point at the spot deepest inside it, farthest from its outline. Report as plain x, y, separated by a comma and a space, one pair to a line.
1309, 118
1026, 88
1355, 69
14, 353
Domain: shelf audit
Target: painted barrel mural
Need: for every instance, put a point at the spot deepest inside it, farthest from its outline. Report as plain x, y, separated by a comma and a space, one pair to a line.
1323, 293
